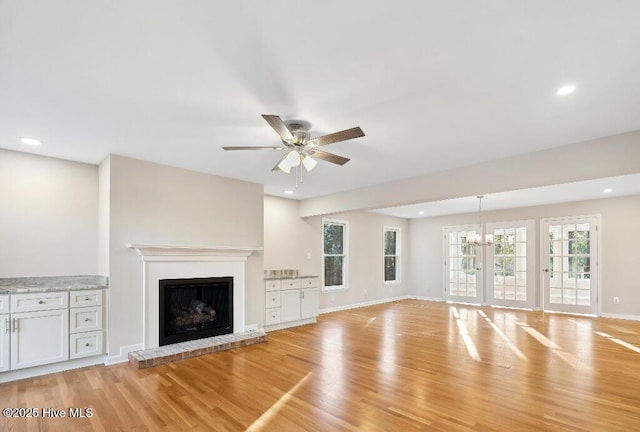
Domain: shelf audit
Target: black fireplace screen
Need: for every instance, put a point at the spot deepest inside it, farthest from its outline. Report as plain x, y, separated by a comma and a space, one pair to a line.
195, 308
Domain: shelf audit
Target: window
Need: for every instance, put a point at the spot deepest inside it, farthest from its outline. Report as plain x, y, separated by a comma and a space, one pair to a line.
391, 239
335, 253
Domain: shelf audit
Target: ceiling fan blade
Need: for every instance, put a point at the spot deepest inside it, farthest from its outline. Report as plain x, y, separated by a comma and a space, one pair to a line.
278, 125
252, 148
335, 137
329, 157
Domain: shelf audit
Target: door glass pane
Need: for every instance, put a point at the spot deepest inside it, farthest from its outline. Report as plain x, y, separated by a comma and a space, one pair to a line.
462, 264
510, 263
569, 256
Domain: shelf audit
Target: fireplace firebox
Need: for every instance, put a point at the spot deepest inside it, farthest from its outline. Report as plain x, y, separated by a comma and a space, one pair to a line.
195, 308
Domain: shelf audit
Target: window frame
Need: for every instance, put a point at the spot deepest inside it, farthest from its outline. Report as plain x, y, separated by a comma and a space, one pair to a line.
345, 255
397, 255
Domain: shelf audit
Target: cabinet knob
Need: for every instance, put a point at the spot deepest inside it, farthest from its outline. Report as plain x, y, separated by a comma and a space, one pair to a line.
86, 320
41, 302
87, 344
87, 299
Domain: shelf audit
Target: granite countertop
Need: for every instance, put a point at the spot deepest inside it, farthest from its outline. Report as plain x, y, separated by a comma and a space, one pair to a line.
288, 277
52, 283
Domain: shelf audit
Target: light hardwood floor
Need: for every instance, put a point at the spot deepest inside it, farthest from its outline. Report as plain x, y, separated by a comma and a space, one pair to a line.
401, 366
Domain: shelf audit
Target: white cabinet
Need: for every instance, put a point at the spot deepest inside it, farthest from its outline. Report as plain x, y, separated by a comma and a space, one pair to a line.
85, 314
309, 302
290, 305
85, 344
39, 338
39, 301
291, 302
5, 344
4, 304
41, 328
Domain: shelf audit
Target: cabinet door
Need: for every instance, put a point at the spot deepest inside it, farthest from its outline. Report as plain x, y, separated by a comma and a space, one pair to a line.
4, 342
39, 338
289, 305
309, 303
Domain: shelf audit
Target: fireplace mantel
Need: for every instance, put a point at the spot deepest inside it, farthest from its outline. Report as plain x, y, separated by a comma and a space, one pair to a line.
182, 262
150, 252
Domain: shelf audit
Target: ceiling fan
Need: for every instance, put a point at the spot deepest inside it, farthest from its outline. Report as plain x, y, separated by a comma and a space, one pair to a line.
301, 147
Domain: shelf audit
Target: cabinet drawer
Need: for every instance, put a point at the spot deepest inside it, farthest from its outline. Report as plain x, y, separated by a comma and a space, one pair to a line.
85, 298
272, 285
4, 304
85, 344
291, 284
85, 319
309, 283
273, 316
39, 301
273, 299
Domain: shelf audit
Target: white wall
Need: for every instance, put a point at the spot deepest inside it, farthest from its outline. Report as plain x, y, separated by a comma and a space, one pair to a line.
48, 216
157, 204
619, 245
288, 238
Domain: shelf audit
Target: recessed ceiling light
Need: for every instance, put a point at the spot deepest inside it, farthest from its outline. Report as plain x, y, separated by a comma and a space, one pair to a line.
288, 192
565, 90
421, 212
607, 191
30, 141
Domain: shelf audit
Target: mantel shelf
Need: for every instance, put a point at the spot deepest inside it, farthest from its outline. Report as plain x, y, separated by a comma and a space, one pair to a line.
149, 250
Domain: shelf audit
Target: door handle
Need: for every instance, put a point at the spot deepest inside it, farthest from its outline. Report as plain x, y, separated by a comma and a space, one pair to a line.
15, 325
7, 328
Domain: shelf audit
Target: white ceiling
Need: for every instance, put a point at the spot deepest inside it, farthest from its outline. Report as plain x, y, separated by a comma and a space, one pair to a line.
567, 192
434, 85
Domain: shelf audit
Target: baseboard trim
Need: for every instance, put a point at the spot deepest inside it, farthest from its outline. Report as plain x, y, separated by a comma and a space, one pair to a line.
433, 299
364, 304
289, 324
250, 327
124, 354
50, 368
621, 316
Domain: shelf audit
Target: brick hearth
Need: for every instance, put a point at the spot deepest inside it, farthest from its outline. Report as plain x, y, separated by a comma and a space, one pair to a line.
185, 350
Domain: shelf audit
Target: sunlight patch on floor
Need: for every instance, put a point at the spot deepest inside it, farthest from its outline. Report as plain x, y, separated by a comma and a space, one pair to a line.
504, 337
619, 342
468, 342
565, 356
262, 422
608, 336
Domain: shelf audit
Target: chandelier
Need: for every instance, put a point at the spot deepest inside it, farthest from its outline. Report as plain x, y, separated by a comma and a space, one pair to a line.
477, 239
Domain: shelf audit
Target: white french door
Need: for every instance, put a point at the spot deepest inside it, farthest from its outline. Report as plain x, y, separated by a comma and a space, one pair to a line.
509, 264
569, 264
462, 265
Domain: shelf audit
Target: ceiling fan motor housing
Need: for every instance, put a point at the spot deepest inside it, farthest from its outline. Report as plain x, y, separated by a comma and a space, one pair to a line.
300, 135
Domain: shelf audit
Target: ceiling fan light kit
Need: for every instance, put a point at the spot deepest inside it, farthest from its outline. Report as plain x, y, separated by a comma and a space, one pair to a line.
296, 140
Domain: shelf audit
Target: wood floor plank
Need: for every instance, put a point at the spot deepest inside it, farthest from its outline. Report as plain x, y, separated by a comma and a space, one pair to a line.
403, 365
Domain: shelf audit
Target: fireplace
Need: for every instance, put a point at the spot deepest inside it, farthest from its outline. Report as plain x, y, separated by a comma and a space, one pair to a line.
195, 308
